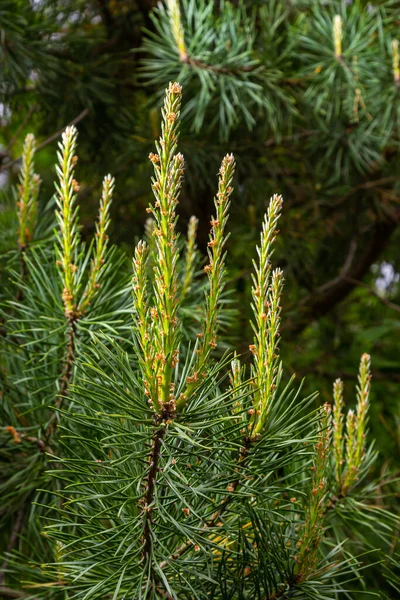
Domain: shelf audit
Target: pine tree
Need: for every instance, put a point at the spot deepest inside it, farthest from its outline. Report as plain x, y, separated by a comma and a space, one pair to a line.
140, 461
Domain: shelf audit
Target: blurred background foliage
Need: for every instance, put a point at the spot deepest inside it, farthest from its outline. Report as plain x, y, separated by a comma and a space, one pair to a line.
304, 92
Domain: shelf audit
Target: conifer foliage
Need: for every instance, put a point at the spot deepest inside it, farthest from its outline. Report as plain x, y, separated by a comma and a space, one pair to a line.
152, 465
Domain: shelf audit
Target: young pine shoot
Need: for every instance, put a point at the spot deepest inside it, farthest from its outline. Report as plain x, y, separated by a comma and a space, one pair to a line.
28, 190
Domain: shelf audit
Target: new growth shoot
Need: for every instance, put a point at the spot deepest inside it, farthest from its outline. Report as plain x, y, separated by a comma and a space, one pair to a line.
161, 323
266, 293
28, 190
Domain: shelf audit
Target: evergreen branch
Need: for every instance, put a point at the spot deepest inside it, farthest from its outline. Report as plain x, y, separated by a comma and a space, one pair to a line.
219, 70
177, 28
178, 35
66, 375
215, 518
236, 376
18, 436
67, 251
148, 501
8, 592
337, 35
363, 392
396, 61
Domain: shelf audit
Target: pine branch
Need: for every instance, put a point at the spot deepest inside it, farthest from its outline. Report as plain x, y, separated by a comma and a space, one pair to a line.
375, 293
196, 63
148, 501
66, 376
50, 139
324, 298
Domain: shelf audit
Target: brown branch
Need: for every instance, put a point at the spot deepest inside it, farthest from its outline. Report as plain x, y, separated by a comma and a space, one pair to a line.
194, 62
371, 290
148, 500
50, 139
18, 436
290, 138
321, 300
66, 375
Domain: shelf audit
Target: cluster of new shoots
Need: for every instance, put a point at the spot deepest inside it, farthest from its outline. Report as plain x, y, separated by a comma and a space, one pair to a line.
158, 325
157, 299
160, 322
349, 457
68, 233
312, 530
266, 293
28, 190
347, 460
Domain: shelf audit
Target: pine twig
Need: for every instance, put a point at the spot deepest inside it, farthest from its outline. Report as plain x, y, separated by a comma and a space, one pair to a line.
178, 34
66, 375
50, 139
148, 499
371, 290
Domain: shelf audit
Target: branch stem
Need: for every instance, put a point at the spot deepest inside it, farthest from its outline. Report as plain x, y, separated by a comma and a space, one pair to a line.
66, 374
154, 458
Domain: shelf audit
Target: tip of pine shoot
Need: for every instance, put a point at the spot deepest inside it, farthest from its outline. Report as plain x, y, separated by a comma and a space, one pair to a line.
174, 88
